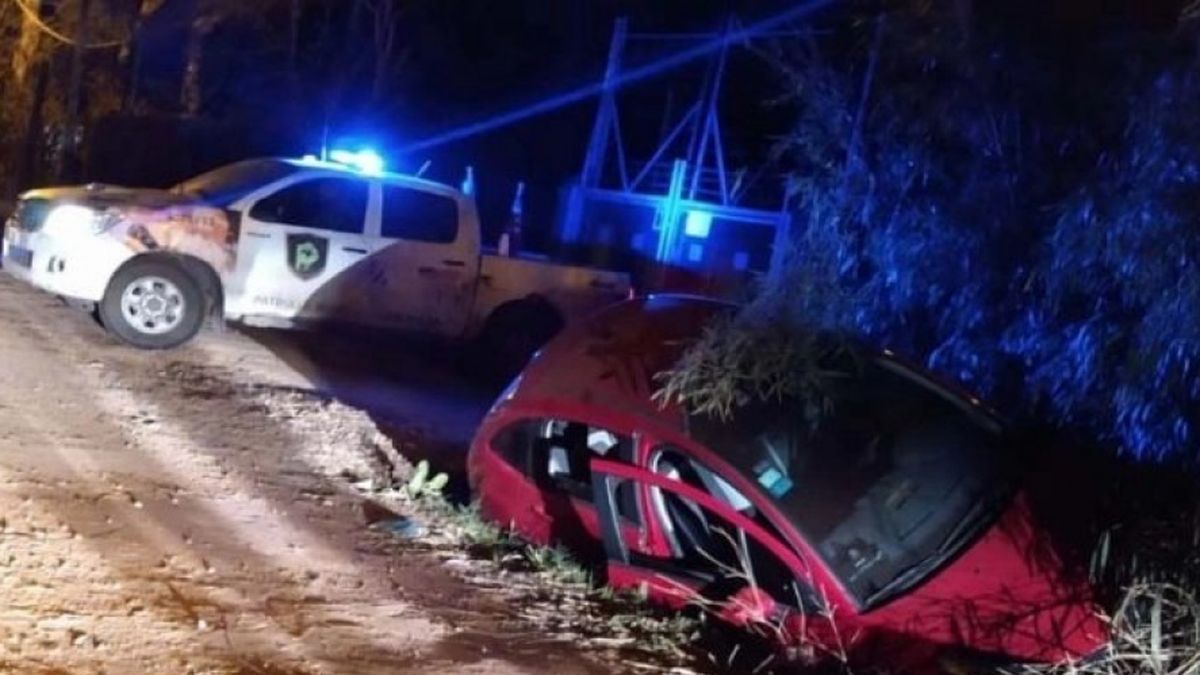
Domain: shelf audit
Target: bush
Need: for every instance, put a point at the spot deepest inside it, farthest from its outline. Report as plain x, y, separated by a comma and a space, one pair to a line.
1110, 331
1156, 631
1023, 222
1018, 220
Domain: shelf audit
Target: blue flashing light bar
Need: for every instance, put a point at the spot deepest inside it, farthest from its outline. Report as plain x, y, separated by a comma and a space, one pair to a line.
366, 160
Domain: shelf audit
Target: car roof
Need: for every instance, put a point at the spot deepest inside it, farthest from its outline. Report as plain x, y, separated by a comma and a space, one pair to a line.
611, 358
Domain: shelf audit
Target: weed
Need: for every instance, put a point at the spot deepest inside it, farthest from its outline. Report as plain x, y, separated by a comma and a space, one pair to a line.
423, 484
1155, 631
557, 563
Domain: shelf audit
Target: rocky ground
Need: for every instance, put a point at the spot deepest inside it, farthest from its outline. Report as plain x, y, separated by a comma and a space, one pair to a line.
208, 510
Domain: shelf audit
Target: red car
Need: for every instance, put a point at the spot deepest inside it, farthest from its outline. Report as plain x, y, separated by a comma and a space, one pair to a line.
894, 532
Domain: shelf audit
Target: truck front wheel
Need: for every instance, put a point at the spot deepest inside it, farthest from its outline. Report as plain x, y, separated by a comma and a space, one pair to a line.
514, 333
152, 304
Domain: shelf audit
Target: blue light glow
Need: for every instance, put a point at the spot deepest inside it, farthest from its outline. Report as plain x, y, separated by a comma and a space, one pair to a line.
631, 76
366, 160
698, 224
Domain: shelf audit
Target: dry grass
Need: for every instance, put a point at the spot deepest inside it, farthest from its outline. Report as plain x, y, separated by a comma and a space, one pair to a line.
742, 361
1156, 631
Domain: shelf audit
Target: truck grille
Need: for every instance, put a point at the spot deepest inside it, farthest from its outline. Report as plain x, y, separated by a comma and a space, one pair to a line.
30, 215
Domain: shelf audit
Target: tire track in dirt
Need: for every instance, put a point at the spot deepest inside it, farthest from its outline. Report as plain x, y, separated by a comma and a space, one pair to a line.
206, 530
153, 557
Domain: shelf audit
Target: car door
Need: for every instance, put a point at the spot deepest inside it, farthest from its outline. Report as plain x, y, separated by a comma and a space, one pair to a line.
710, 548
422, 269
543, 488
301, 251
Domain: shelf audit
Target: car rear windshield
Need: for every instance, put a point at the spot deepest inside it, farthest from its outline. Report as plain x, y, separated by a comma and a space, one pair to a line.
223, 186
889, 481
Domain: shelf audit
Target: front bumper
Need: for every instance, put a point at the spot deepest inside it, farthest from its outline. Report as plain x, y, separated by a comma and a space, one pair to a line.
78, 267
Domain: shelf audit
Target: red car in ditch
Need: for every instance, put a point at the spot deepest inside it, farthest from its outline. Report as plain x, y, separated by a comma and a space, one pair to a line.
896, 531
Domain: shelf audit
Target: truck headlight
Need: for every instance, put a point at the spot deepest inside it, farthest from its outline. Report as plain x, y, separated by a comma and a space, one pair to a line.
70, 220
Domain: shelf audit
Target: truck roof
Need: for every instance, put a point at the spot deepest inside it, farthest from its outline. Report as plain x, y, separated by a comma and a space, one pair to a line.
384, 176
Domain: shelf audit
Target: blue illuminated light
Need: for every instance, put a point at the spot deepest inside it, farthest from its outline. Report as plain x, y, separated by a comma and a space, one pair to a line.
632, 76
366, 161
698, 224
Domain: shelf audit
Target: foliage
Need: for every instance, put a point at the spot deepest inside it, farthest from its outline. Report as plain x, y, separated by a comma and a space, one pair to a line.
1111, 327
1016, 216
1156, 631
558, 564
609, 618
424, 484
739, 361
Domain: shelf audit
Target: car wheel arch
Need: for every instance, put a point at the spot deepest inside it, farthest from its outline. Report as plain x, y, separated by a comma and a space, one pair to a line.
534, 304
515, 330
198, 270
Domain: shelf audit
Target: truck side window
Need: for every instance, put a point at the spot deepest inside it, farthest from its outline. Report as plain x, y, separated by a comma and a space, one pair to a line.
335, 204
417, 215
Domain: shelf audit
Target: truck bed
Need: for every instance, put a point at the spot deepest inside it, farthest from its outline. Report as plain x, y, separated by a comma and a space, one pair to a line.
573, 289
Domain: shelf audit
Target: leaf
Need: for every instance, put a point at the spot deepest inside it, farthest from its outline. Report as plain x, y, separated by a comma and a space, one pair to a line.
436, 484
417, 481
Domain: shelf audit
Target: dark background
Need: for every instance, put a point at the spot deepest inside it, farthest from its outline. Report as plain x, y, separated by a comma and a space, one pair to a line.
462, 62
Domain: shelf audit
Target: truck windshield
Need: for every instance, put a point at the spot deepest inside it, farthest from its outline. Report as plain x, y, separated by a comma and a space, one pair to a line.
223, 186
894, 479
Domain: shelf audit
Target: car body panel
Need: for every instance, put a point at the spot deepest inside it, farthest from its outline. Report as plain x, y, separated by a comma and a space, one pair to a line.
608, 360
1004, 593
1008, 593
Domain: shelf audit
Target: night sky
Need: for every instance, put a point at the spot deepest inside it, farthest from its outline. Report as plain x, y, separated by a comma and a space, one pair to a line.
467, 60
505, 60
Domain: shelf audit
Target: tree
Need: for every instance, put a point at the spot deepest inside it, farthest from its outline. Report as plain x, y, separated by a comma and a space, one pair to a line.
385, 19
1014, 212
54, 74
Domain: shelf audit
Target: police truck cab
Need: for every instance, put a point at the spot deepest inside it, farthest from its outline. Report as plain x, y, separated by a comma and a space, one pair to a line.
288, 243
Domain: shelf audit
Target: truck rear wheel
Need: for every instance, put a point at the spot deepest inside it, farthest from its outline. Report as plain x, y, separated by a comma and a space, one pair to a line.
152, 304
513, 334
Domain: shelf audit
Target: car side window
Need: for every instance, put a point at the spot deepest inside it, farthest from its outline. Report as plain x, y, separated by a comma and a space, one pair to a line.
418, 215
556, 454
706, 543
334, 204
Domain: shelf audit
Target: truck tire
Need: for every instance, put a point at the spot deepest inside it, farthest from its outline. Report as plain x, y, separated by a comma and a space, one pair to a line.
513, 334
152, 304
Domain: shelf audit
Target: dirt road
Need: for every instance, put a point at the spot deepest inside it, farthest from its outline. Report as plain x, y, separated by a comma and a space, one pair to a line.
200, 511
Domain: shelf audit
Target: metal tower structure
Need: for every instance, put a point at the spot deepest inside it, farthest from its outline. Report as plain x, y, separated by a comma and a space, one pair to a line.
680, 207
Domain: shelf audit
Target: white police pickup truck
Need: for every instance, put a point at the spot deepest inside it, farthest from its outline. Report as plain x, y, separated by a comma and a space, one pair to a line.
286, 243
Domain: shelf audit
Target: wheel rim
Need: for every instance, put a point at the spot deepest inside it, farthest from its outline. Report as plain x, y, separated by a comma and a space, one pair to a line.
153, 305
